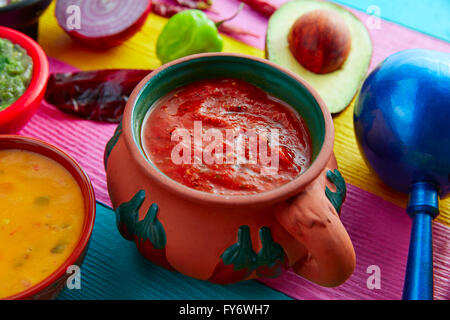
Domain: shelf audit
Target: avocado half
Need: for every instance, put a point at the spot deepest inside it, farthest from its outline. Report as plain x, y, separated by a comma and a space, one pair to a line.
336, 88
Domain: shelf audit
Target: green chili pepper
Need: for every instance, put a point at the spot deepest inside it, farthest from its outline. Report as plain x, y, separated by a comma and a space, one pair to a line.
188, 32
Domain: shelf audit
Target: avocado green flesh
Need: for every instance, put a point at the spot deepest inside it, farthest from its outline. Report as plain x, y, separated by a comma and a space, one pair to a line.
337, 88
16, 69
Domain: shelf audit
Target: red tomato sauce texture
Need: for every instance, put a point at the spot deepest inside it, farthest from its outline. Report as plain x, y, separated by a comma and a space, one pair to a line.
226, 104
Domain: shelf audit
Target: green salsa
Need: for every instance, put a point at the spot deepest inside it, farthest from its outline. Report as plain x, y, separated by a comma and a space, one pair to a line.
16, 70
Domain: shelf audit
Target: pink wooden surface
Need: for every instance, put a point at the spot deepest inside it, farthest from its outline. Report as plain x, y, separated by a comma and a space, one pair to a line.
379, 229
380, 234
82, 139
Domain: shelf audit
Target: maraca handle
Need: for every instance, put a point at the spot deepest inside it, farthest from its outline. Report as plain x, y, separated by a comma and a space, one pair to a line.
423, 207
419, 270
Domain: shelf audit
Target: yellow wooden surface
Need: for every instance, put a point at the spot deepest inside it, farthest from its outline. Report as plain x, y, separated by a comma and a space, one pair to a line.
139, 52
356, 172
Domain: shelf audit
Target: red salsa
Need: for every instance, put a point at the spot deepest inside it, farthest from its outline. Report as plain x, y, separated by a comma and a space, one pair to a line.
175, 123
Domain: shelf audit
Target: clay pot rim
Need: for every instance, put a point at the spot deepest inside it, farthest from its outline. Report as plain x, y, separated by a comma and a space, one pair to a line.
275, 195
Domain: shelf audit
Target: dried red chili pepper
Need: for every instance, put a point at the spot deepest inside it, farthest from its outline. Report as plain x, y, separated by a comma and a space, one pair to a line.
261, 6
167, 10
235, 31
195, 4
96, 95
232, 30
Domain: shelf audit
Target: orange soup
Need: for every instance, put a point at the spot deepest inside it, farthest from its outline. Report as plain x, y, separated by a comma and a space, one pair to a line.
41, 218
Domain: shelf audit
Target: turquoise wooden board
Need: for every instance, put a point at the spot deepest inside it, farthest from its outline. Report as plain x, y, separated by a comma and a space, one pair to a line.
431, 17
114, 269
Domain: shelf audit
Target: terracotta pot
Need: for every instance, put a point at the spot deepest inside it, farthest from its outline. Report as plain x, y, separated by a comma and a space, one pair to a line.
50, 287
226, 239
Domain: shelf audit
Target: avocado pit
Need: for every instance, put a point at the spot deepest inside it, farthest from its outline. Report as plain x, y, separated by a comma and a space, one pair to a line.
320, 41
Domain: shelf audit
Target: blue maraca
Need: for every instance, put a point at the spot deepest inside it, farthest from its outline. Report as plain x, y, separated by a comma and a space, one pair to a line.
402, 125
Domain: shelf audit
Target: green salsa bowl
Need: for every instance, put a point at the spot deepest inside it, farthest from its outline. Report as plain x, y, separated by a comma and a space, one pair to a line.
16, 115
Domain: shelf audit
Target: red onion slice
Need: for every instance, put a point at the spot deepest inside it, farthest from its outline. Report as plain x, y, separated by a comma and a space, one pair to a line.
102, 23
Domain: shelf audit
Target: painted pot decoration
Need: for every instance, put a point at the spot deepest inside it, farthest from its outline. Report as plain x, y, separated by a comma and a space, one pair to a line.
230, 238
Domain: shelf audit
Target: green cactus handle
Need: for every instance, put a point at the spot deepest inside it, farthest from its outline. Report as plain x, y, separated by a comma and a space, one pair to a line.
336, 198
127, 215
271, 252
151, 229
127, 219
241, 254
271, 258
112, 143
